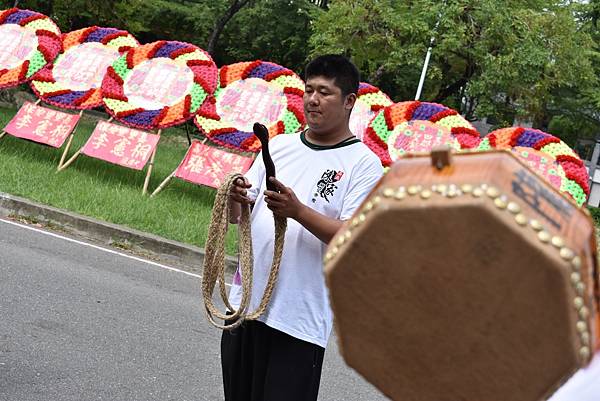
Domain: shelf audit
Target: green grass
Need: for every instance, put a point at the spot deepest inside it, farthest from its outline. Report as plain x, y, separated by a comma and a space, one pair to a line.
595, 212
104, 191
98, 189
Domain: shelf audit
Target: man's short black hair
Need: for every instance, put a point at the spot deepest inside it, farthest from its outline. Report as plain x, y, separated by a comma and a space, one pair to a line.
335, 66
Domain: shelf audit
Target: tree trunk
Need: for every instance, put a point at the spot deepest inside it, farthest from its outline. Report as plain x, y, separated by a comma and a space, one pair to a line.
235, 6
450, 90
456, 86
47, 9
541, 120
376, 76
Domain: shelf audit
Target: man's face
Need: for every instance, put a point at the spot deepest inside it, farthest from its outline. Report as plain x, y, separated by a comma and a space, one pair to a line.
324, 106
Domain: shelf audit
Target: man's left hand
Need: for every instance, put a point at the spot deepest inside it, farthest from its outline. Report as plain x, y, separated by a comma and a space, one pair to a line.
283, 203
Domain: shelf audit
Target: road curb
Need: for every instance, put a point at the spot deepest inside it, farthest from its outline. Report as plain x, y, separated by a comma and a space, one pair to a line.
184, 256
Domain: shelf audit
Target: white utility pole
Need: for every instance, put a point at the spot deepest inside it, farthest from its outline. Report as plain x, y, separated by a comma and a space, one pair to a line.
428, 56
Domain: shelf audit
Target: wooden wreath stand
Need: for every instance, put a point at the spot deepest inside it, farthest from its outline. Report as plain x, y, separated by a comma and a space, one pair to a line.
469, 279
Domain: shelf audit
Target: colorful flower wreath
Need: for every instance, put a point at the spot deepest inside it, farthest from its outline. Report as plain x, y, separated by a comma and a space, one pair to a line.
38, 44
57, 84
369, 101
391, 119
184, 78
547, 155
249, 92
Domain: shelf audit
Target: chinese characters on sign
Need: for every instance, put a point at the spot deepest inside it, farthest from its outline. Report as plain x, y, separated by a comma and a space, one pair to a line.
17, 44
209, 166
121, 145
247, 101
551, 206
418, 136
82, 67
156, 83
41, 124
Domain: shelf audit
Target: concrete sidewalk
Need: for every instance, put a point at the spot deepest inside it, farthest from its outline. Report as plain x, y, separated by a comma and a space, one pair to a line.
183, 256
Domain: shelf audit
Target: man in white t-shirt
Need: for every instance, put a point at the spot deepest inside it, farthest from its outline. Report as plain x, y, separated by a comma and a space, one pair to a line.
323, 174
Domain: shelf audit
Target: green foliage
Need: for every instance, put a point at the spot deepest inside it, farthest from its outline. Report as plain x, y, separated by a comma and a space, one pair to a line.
376, 34
526, 59
108, 192
533, 55
575, 115
76, 14
41, 6
502, 59
529, 60
178, 20
569, 128
595, 212
271, 30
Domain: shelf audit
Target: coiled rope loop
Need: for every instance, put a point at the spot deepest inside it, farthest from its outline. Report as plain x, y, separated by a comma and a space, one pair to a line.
214, 261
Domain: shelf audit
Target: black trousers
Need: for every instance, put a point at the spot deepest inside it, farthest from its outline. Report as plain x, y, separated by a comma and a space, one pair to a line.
263, 364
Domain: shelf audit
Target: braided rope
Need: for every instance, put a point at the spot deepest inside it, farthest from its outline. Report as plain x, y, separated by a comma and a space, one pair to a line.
214, 261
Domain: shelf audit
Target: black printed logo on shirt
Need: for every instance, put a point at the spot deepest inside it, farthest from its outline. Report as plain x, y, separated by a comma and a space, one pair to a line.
326, 185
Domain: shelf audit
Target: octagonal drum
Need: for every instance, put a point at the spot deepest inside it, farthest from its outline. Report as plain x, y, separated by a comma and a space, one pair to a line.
468, 280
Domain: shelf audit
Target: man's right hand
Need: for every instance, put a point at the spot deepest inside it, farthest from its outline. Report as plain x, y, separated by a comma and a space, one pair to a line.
239, 191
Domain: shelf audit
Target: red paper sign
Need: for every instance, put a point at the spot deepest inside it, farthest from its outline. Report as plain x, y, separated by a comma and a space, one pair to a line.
41, 124
209, 166
121, 145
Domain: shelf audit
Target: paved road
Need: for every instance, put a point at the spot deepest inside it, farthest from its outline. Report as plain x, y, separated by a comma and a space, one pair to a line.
81, 323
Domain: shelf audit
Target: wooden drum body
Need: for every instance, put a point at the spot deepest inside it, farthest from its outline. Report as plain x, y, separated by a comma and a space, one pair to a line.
473, 281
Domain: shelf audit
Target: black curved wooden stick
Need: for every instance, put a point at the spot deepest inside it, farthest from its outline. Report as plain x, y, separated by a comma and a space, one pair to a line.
262, 134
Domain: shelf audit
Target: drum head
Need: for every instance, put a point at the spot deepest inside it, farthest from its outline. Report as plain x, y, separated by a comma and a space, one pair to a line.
452, 287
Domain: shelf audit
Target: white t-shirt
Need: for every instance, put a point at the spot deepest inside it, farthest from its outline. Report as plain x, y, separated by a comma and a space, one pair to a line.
583, 386
333, 181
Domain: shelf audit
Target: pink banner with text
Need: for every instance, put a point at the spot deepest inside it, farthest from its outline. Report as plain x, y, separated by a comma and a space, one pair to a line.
121, 145
209, 166
42, 125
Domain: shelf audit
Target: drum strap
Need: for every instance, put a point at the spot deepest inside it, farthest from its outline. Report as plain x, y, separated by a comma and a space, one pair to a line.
214, 261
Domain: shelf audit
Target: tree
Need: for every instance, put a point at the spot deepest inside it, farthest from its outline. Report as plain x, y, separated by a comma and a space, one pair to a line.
573, 114
271, 30
76, 14
503, 59
232, 30
39, 5
234, 7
